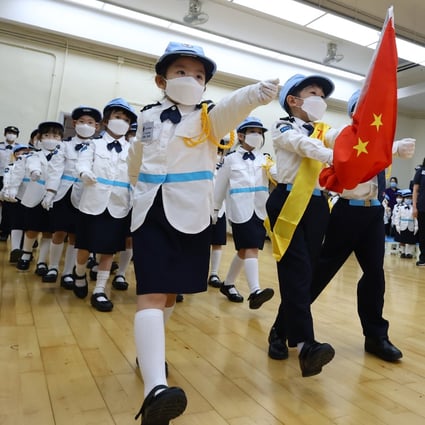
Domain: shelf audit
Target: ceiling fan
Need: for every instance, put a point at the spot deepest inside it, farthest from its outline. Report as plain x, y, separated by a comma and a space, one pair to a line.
195, 16
332, 56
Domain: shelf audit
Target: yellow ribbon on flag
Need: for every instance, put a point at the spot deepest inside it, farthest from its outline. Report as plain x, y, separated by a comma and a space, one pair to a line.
297, 201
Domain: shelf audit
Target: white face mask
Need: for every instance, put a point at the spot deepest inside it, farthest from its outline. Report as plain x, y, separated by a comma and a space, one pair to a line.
184, 90
49, 144
408, 201
118, 127
254, 140
314, 107
11, 137
85, 130
398, 200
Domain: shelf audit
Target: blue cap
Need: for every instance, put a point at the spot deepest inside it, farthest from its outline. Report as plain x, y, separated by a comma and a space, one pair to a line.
352, 102
119, 102
19, 147
250, 122
86, 110
405, 192
175, 50
298, 82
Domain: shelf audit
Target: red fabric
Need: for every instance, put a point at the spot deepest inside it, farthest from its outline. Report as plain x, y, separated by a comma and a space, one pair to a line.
364, 148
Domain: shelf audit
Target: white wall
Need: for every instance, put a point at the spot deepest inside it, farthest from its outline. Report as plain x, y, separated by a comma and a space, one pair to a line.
45, 75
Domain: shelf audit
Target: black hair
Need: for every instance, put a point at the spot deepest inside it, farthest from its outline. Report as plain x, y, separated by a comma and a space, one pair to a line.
108, 112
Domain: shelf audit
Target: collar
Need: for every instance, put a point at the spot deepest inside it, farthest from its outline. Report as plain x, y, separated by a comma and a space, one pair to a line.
109, 138
184, 109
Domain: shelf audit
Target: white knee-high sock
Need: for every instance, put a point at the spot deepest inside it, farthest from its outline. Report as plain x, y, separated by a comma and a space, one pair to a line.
70, 256
43, 250
251, 273
149, 336
124, 261
234, 270
27, 247
55, 255
16, 239
101, 280
168, 311
215, 261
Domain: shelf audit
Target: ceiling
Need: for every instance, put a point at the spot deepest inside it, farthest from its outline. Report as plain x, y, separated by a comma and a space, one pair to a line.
242, 24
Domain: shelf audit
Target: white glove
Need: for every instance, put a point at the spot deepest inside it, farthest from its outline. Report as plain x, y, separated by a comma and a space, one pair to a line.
35, 175
406, 147
47, 201
214, 217
88, 177
10, 195
267, 90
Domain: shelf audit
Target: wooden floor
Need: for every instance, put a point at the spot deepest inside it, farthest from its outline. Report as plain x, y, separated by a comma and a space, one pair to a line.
62, 362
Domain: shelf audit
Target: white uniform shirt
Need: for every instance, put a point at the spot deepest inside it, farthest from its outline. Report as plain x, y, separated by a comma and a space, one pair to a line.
404, 220
63, 171
244, 184
291, 144
184, 173
112, 189
6, 150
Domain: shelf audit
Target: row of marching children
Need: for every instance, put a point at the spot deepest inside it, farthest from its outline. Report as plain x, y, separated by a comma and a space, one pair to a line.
75, 190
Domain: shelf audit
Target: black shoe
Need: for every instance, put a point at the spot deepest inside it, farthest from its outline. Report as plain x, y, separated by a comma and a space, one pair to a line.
420, 263
231, 293
93, 274
114, 266
258, 298
3, 237
314, 356
67, 281
179, 298
214, 281
80, 291
91, 262
15, 255
119, 283
41, 269
383, 348
161, 408
51, 276
23, 264
403, 255
410, 256
101, 305
277, 346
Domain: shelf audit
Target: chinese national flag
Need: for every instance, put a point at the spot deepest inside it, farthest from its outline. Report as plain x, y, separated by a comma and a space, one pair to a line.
364, 148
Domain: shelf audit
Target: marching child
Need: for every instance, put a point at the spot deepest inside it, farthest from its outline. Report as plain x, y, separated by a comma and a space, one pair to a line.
174, 157
244, 183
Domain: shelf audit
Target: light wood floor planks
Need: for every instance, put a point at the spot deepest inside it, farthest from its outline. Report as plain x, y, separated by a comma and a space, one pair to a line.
64, 363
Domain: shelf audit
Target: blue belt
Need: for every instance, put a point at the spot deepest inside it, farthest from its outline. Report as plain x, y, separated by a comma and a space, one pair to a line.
316, 192
363, 203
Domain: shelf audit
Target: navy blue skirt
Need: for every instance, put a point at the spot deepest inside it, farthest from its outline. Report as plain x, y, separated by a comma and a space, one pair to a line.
64, 214
167, 261
36, 218
250, 234
219, 231
101, 233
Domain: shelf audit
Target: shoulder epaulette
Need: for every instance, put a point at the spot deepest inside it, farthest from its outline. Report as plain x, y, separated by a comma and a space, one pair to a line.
95, 138
68, 139
210, 104
147, 107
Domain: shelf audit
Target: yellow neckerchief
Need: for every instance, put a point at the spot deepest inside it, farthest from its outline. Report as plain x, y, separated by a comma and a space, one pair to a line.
207, 133
298, 199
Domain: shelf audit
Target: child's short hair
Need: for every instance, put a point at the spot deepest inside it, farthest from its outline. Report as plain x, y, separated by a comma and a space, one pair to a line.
175, 50
50, 127
297, 82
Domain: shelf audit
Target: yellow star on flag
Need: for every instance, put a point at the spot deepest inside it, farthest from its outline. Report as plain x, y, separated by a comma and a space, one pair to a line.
361, 147
377, 121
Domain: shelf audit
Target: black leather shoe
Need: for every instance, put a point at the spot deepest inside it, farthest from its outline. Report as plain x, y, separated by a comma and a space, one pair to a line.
41, 269
15, 255
119, 283
231, 293
258, 298
23, 264
101, 302
313, 356
179, 298
80, 291
159, 409
51, 276
67, 281
382, 348
214, 281
277, 346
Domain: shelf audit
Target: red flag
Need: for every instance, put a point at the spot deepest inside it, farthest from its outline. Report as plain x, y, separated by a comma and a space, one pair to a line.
364, 148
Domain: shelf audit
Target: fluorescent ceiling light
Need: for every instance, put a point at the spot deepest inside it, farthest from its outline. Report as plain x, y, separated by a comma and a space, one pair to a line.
409, 51
288, 10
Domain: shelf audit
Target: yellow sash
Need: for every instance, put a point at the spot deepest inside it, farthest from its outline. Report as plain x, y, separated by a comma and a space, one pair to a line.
298, 199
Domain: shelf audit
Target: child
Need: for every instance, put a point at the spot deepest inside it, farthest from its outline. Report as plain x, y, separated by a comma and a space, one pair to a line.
406, 225
37, 220
395, 211
243, 181
104, 219
300, 153
174, 157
